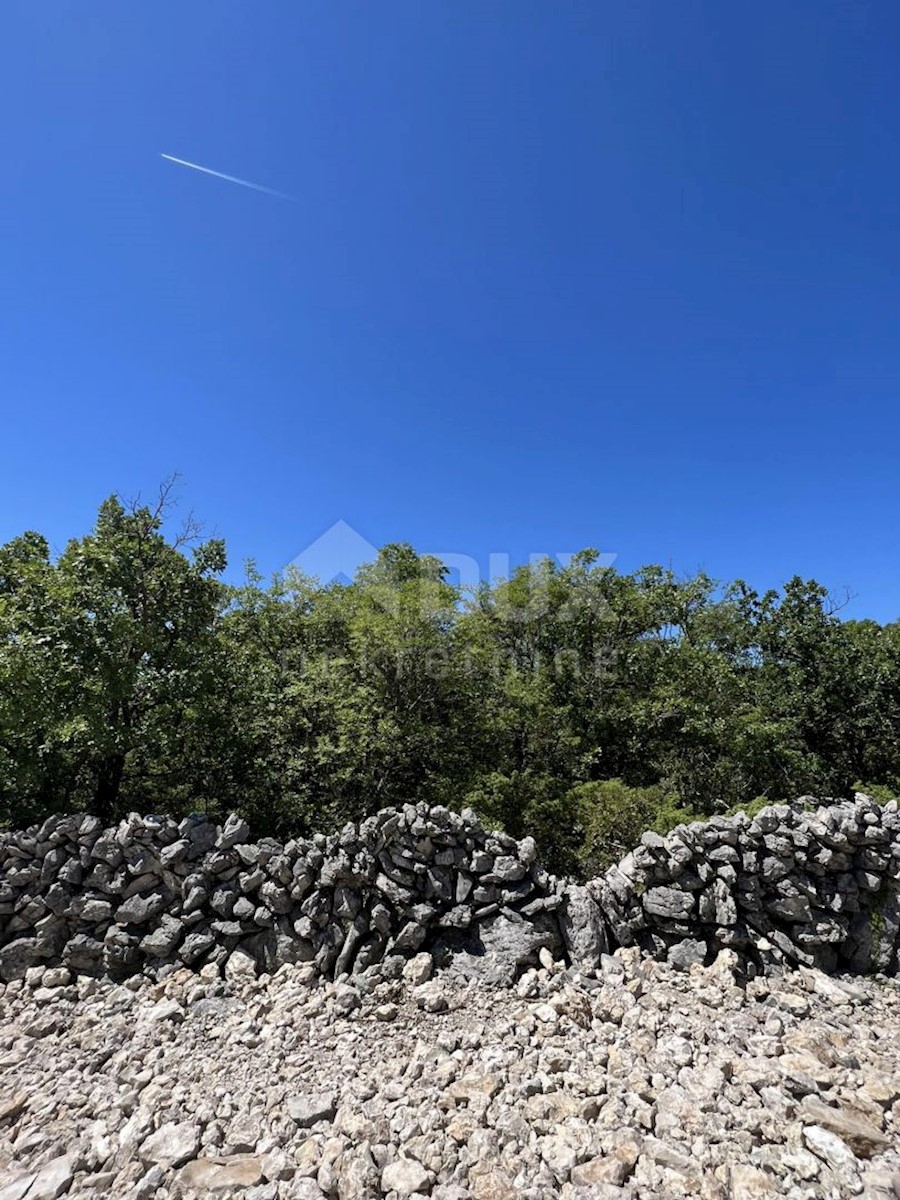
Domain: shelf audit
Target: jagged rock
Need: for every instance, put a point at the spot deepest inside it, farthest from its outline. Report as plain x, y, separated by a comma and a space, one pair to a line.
582, 927
16, 957
139, 909
164, 938
830, 1148
599, 1170
53, 1179
12, 1106
507, 869
240, 965
668, 902
358, 1174
431, 996
305, 1189
220, 1176
172, 1144
863, 1138
234, 831
405, 1176
749, 1183
500, 946
634, 1079
18, 1186
346, 999
418, 969
686, 952
311, 1107
95, 911
195, 945
82, 953
792, 908
165, 1010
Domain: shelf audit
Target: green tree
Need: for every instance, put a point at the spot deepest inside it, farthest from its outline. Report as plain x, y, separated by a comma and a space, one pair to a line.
110, 653
36, 683
355, 697
572, 702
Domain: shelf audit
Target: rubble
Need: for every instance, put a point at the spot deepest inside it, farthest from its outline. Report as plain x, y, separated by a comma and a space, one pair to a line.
633, 1080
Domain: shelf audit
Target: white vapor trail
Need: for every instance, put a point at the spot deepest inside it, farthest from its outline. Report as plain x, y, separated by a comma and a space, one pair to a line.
257, 187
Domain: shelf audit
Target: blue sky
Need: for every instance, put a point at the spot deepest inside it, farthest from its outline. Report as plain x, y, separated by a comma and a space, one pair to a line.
621, 274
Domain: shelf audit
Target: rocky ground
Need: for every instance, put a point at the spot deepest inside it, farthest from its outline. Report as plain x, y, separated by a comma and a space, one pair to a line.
638, 1081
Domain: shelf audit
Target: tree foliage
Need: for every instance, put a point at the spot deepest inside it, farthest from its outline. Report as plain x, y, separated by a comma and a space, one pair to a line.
106, 657
575, 703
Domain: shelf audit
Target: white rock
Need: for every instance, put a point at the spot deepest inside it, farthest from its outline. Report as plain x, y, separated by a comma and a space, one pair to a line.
17, 1186
405, 1176
306, 1189
431, 996
164, 1010
53, 1179
560, 1156
56, 977
546, 1013
419, 968
309, 1108
346, 999
220, 1176
749, 1183
240, 966
829, 1147
172, 1144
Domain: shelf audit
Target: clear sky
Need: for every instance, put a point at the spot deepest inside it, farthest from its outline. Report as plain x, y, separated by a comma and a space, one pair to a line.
620, 273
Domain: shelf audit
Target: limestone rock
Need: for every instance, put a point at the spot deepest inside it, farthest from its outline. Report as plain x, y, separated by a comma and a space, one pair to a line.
419, 968
406, 1177
172, 1144
862, 1136
749, 1183
582, 926
311, 1107
17, 1187
668, 902
53, 1179
829, 1147
220, 1176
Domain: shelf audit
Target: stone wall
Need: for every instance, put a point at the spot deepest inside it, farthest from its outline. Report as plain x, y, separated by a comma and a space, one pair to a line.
152, 894
791, 885
805, 884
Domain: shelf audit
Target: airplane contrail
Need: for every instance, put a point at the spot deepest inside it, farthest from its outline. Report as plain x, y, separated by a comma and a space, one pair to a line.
257, 187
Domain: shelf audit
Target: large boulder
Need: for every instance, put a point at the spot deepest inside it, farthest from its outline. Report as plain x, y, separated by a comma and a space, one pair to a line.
495, 951
582, 926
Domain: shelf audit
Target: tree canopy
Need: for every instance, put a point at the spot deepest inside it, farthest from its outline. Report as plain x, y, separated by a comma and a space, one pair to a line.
573, 702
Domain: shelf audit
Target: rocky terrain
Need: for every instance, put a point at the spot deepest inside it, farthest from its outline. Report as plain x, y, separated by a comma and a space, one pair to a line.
415, 1008
631, 1081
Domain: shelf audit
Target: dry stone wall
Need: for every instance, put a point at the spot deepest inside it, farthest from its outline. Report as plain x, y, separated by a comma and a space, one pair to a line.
806, 884
153, 894
791, 885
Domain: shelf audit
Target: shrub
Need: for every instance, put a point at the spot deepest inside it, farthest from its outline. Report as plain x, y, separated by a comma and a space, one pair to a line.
525, 804
879, 792
614, 815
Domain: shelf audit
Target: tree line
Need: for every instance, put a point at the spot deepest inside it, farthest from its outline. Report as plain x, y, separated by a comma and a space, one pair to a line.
575, 703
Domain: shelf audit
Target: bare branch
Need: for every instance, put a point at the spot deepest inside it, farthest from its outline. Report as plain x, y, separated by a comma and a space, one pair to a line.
165, 500
190, 532
835, 604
